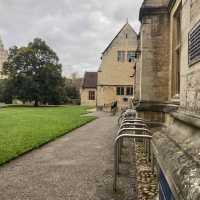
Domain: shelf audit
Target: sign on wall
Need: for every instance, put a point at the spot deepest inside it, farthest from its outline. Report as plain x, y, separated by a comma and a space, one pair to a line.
165, 192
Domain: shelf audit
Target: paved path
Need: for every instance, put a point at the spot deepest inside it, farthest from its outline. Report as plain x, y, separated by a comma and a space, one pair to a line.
78, 166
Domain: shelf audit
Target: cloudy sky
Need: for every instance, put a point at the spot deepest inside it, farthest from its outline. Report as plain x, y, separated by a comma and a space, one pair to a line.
78, 30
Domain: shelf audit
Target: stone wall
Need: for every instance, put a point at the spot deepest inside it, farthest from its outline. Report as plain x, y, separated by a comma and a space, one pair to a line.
113, 73
154, 64
193, 10
137, 81
107, 94
176, 149
85, 97
190, 74
176, 145
152, 72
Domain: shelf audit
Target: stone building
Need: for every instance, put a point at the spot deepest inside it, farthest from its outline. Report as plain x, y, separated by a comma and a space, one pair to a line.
3, 57
88, 90
168, 92
115, 81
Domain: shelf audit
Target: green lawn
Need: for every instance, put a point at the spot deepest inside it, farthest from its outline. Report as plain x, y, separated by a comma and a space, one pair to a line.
26, 128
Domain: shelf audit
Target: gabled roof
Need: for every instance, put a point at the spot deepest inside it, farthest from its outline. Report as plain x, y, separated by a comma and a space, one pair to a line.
127, 24
90, 80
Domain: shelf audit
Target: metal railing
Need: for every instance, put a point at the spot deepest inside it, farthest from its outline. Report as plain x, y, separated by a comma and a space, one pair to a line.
116, 152
133, 120
129, 122
123, 115
134, 124
146, 144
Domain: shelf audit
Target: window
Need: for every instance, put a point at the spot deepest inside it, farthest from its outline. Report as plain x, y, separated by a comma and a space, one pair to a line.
91, 95
121, 56
129, 91
176, 53
120, 90
194, 47
131, 56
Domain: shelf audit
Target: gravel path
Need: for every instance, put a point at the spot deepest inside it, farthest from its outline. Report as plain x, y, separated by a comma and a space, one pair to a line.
78, 166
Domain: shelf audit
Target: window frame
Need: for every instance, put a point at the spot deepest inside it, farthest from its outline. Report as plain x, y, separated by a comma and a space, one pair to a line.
129, 91
91, 95
131, 58
121, 56
120, 91
176, 53
192, 59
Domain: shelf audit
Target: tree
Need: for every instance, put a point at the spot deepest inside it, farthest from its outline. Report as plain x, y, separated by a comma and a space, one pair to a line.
35, 73
70, 90
6, 91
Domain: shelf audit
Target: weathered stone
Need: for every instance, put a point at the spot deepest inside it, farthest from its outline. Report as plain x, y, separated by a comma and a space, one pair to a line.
167, 83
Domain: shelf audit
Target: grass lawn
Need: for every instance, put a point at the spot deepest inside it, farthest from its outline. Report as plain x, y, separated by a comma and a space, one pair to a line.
26, 128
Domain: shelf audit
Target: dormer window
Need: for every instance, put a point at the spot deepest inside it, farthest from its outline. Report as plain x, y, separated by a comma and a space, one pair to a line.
126, 35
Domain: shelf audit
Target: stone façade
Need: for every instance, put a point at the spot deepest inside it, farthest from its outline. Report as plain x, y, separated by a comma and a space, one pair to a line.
112, 73
176, 145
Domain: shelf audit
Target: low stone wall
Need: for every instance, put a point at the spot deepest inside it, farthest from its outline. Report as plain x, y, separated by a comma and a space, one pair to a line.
154, 111
177, 151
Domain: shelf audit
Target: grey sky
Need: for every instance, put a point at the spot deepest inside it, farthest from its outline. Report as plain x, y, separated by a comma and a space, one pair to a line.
78, 30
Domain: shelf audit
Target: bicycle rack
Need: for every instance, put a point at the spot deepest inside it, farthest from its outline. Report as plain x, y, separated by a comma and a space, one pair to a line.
116, 156
130, 125
146, 147
122, 117
133, 120
133, 124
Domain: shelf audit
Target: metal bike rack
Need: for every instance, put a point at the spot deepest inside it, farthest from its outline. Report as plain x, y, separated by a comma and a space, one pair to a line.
123, 116
146, 146
133, 124
120, 118
116, 156
133, 120
130, 125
